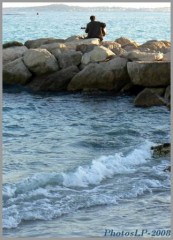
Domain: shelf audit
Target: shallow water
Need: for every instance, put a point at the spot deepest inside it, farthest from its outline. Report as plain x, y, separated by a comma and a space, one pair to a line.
68, 155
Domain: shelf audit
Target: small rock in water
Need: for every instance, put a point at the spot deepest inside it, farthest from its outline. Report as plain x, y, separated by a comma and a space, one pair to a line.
167, 169
161, 150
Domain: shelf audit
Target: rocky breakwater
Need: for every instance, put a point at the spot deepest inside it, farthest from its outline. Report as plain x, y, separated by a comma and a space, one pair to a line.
75, 64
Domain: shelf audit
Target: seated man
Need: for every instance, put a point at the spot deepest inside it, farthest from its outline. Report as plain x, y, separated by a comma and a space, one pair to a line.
95, 29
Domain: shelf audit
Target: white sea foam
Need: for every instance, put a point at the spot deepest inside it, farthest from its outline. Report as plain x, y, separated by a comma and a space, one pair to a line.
50, 195
100, 169
106, 167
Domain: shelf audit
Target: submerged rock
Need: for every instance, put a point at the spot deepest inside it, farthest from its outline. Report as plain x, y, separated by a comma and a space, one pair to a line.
167, 169
148, 98
161, 150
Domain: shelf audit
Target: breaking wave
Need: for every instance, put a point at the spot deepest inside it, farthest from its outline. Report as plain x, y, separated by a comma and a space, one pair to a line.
45, 196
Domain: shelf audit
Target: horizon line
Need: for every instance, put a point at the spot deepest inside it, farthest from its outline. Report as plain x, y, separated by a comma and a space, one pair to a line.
135, 5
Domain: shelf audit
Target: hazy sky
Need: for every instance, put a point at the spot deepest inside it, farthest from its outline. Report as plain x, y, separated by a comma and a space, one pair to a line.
85, 4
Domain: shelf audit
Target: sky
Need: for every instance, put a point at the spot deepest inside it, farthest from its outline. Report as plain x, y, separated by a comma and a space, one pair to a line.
85, 4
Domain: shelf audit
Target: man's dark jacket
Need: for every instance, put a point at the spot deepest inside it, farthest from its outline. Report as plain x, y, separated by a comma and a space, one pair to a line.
95, 29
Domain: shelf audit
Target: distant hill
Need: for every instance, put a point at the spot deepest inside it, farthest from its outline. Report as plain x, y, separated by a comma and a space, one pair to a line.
66, 8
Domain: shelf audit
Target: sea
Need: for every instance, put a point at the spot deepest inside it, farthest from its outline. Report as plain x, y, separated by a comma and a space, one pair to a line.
81, 164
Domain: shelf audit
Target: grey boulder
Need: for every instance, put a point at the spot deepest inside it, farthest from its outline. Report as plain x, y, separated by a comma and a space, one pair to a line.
16, 72
110, 76
69, 58
40, 61
55, 81
38, 42
12, 53
149, 74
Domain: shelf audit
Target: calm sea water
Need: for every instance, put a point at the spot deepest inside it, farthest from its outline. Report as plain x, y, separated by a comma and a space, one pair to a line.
139, 26
77, 164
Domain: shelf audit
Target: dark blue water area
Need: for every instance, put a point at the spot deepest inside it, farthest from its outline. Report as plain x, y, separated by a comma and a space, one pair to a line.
41, 130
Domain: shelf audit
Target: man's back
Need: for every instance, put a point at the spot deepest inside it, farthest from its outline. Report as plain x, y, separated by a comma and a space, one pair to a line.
95, 29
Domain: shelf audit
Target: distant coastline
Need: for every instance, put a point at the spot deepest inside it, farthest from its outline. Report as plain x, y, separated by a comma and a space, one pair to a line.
64, 7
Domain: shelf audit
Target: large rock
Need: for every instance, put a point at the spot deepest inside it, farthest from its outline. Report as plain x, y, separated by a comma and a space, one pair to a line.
68, 46
73, 44
167, 57
12, 44
95, 41
149, 74
148, 98
12, 53
38, 42
52, 44
111, 76
110, 45
55, 81
118, 66
84, 48
167, 43
73, 38
51, 47
158, 91
98, 54
161, 150
130, 46
154, 45
92, 77
136, 55
167, 95
114, 47
40, 61
68, 59
118, 51
167, 169
57, 48
16, 72
124, 41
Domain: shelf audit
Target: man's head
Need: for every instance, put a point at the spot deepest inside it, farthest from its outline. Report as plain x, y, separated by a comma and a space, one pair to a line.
92, 18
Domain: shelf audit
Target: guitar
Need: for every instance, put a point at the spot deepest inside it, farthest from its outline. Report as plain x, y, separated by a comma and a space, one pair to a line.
104, 31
